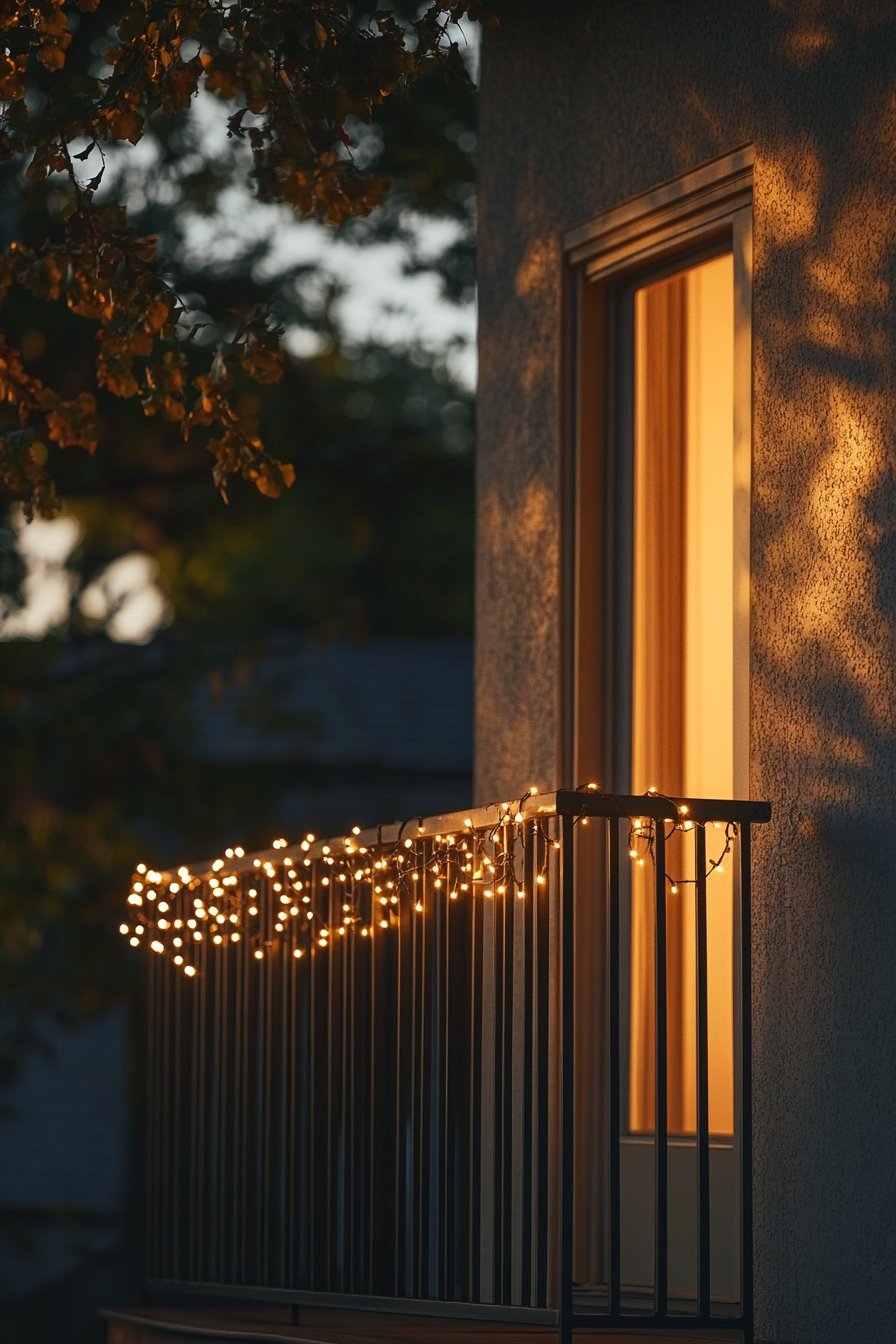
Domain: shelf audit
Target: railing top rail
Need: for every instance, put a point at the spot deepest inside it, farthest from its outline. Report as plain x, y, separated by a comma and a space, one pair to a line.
562, 803
569, 802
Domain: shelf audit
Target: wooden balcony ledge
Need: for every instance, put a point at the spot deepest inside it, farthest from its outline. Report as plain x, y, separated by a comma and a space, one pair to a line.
271, 1325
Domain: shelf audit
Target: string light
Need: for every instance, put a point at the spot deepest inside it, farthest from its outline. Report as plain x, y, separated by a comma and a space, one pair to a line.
642, 841
349, 887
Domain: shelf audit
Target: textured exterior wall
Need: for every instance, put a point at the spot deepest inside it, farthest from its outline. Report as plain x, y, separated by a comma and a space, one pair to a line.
581, 111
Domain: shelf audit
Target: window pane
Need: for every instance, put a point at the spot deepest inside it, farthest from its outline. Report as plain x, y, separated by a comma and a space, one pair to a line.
683, 660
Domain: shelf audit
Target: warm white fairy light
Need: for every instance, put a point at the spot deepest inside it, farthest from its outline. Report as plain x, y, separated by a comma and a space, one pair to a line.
502, 852
642, 842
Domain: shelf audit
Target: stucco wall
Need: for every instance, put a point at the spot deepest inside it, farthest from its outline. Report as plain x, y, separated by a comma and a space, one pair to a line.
581, 110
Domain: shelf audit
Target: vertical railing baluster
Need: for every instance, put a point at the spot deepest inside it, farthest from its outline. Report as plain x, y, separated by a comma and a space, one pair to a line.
567, 1082
291, 1137
434, 1122
420, 1128
331, 1109
475, 1134
331, 1067
504, 914
446, 1174
661, 1155
455, 969
316, 1104
542, 1076
489, 1135
404, 993
523, 1101
180, 1121
284, 1106
193, 1094
243, 1050
214, 990
189, 1141
221, 1212
746, 1086
265, 1109
357, 1118
152, 1183
205, 1084
375, 1082
614, 1267
702, 1011
254, 1091
299, 1127
164, 1144
351, 1232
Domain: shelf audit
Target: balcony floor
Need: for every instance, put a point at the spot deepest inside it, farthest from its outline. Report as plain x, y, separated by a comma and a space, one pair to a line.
270, 1325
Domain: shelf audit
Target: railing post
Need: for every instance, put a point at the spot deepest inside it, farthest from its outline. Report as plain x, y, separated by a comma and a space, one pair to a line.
661, 1153
567, 1080
702, 1015
614, 1069
746, 1074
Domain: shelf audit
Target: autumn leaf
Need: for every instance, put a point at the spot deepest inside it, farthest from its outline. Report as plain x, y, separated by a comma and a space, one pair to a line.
273, 477
125, 124
12, 78
73, 423
52, 54
157, 314
300, 81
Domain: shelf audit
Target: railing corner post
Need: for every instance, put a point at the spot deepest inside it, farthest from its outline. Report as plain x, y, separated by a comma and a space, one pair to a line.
567, 1078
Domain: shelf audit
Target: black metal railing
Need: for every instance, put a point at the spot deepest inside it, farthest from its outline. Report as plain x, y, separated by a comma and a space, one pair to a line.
363, 1059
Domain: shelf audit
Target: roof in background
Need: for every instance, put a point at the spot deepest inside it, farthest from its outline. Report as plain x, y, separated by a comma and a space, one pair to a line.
399, 703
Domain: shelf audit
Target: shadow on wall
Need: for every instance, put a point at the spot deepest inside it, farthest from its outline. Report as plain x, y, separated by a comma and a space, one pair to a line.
823, 578
824, 673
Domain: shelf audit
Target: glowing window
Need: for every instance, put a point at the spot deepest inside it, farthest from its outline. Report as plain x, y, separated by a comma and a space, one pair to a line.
683, 691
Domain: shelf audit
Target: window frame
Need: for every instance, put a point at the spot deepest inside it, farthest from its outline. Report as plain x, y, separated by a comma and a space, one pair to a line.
703, 214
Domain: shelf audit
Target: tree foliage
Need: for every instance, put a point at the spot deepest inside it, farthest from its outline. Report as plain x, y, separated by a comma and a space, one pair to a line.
298, 82
101, 737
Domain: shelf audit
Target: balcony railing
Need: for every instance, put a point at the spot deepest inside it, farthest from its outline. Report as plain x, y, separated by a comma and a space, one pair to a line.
363, 1056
